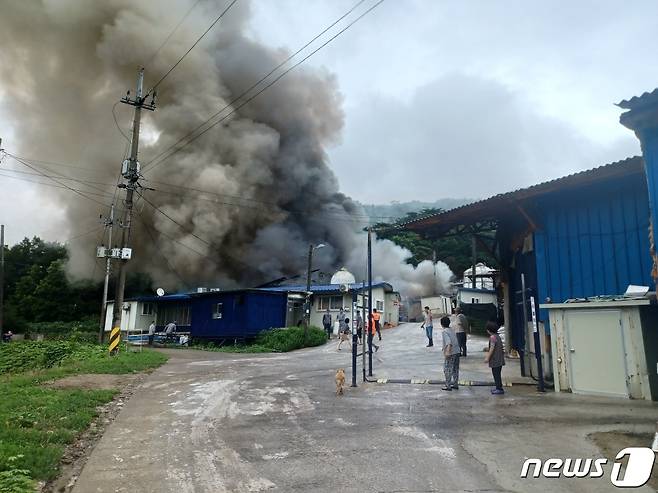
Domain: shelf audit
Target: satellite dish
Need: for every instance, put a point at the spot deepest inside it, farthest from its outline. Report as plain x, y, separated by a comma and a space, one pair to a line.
160, 292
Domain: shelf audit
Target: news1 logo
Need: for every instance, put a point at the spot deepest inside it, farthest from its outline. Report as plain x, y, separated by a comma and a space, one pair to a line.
637, 472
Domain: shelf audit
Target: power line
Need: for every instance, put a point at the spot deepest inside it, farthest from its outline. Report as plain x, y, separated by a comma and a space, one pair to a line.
59, 186
328, 215
202, 240
191, 47
50, 177
253, 86
336, 216
116, 122
63, 177
166, 40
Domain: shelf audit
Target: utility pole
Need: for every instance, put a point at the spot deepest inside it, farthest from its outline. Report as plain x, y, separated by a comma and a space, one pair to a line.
307, 307
2, 276
370, 318
108, 264
130, 173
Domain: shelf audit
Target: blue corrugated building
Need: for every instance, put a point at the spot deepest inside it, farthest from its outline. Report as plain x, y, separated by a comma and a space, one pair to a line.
580, 236
239, 314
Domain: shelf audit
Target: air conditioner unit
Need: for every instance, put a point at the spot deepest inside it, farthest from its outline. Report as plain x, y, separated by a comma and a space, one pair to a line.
126, 306
344, 288
201, 290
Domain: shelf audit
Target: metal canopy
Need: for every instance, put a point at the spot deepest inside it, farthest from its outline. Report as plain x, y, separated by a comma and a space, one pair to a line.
486, 215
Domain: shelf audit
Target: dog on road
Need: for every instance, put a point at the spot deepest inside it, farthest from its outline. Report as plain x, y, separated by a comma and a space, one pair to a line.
340, 381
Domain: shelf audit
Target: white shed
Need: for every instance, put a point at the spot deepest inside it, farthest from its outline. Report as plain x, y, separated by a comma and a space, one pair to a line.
605, 347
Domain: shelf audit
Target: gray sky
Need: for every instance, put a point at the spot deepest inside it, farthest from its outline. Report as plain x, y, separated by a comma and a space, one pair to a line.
449, 99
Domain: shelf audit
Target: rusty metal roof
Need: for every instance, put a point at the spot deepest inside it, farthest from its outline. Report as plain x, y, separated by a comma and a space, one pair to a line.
637, 101
492, 207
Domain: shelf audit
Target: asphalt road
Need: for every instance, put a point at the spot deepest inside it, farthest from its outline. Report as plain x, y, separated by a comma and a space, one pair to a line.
213, 422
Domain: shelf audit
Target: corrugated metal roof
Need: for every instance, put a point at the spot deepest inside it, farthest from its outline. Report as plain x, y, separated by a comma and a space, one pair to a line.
490, 207
637, 101
166, 297
324, 288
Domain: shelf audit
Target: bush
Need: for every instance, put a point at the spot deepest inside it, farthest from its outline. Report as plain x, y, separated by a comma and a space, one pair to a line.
63, 330
291, 338
34, 355
273, 341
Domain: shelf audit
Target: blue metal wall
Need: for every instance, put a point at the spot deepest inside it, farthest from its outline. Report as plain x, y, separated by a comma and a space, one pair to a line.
594, 242
244, 315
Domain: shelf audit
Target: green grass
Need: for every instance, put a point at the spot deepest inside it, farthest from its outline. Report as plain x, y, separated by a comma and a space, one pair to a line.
37, 422
274, 341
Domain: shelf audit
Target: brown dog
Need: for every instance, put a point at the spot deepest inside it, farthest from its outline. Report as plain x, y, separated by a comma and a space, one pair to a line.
340, 381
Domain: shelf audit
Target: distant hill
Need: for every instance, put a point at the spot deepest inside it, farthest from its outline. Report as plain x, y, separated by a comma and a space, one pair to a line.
400, 209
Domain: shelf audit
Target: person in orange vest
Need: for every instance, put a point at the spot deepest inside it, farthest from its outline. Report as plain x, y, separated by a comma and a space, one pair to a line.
371, 328
376, 316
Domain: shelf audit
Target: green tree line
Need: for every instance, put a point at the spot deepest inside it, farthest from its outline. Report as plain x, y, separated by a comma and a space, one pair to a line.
454, 250
37, 288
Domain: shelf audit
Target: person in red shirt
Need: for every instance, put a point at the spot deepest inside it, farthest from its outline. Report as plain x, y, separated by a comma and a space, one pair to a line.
371, 328
376, 316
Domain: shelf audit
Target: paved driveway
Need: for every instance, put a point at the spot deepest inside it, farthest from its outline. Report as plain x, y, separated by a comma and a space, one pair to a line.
212, 422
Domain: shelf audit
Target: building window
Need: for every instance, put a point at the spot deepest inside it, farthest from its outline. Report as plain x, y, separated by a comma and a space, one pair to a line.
170, 312
148, 309
380, 306
217, 310
331, 302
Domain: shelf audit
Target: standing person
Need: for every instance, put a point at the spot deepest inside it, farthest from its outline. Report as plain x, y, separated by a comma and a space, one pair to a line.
372, 331
339, 320
359, 325
326, 322
151, 332
429, 326
376, 316
451, 355
461, 328
495, 357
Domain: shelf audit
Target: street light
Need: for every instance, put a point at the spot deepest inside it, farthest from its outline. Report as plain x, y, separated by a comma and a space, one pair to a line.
307, 314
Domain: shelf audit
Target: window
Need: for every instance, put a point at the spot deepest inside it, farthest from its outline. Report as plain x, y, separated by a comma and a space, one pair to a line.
217, 310
331, 302
380, 306
169, 312
148, 309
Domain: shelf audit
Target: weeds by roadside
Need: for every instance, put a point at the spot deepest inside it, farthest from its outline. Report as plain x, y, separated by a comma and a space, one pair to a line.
36, 421
273, 341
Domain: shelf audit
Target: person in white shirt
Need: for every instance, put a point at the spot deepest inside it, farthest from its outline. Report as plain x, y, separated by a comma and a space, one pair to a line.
151, 333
